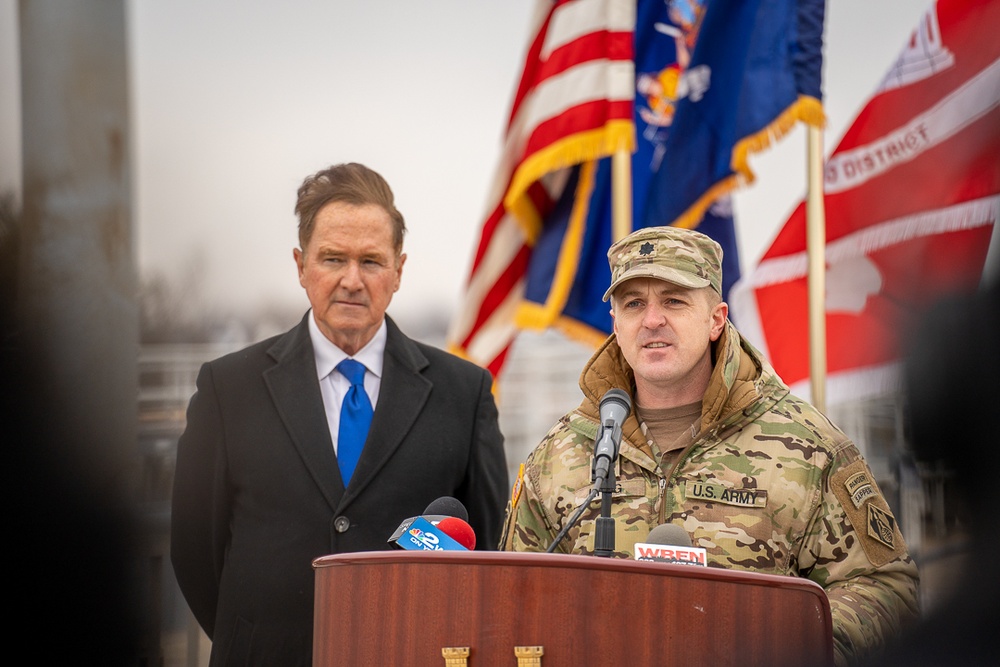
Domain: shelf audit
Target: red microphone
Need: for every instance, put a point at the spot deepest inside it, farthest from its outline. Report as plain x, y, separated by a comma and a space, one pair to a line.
458, 530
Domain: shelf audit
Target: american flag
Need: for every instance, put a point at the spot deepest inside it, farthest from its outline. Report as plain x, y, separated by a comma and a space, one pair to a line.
573, 105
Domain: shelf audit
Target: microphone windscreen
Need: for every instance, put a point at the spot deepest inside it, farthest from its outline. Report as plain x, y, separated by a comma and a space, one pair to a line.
458, 530
669, 533
448, 506
619, 397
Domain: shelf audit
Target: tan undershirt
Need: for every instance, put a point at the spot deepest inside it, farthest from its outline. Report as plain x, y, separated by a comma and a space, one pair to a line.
670, 428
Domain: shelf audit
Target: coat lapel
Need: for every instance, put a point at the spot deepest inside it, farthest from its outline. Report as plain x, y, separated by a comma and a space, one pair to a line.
295, 391
403, 394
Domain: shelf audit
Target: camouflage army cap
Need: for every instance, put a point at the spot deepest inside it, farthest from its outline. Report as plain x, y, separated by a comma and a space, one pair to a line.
680, 256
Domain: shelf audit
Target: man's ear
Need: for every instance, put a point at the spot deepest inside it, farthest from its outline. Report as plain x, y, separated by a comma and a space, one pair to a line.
719, 315
399, 270
299, 263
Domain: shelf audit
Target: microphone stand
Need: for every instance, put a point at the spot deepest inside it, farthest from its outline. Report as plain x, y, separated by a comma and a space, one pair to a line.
615, 407
572, 522
604, 533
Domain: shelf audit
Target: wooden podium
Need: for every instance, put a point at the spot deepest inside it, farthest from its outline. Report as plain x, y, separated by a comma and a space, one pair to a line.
491, 609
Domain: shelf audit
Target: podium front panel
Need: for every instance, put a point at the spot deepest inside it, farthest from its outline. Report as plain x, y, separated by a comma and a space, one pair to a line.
404, 608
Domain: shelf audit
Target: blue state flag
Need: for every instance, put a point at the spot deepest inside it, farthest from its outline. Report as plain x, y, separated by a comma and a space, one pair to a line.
754, 72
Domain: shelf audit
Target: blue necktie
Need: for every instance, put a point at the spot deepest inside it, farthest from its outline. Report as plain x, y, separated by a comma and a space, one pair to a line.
355, 418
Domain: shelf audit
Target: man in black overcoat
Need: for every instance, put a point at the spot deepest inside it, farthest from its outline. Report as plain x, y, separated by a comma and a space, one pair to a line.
259, 489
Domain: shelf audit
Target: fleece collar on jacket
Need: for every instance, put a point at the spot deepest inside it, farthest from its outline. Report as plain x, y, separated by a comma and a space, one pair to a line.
741, 387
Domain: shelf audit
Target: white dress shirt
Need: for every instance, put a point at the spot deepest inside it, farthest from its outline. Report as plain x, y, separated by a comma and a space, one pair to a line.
332, 383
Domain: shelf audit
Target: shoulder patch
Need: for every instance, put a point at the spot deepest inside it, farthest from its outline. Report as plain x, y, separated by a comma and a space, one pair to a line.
507, 531
515, 492
859, 485
869, 513
881, 525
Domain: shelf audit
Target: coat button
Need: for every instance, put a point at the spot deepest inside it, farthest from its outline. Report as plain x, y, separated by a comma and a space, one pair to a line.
341, 524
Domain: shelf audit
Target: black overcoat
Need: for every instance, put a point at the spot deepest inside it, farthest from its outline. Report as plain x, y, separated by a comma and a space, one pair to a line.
258, 494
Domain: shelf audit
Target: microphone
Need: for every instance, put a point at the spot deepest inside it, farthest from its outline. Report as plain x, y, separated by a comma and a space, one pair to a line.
447, 506
669, 533
615, 408
422, 535
444, 507
669, 543
458, 530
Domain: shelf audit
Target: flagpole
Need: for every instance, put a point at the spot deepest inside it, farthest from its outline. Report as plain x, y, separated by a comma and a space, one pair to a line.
621, 194
816, 251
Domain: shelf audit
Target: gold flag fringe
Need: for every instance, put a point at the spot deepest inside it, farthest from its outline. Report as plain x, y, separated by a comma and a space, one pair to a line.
531, 315
808, 110
576, 149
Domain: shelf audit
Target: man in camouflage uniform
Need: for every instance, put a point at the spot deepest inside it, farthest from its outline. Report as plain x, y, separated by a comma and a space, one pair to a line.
716, 444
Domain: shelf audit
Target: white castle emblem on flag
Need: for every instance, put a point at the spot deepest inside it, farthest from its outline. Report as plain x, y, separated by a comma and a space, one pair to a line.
924, 56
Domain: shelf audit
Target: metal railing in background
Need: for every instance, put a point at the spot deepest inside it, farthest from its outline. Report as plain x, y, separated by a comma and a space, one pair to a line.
167, 375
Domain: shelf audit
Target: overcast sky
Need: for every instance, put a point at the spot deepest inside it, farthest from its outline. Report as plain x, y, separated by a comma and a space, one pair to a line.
234, 102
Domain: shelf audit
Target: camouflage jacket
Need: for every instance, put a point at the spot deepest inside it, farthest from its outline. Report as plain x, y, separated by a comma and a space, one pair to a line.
768, 484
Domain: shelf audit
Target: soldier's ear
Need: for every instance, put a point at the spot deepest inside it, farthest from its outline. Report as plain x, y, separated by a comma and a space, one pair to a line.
719, 314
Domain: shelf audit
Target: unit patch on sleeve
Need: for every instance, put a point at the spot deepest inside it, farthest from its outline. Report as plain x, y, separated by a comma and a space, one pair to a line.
881, 525
869, 514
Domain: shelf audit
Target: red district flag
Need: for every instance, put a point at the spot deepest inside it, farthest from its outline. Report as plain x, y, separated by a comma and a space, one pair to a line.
912, 194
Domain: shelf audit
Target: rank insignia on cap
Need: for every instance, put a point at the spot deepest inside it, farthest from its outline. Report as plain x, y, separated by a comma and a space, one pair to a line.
881, 525
646, 249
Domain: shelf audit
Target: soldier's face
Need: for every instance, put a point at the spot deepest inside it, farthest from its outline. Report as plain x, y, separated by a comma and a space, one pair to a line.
350, 270
665, 332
